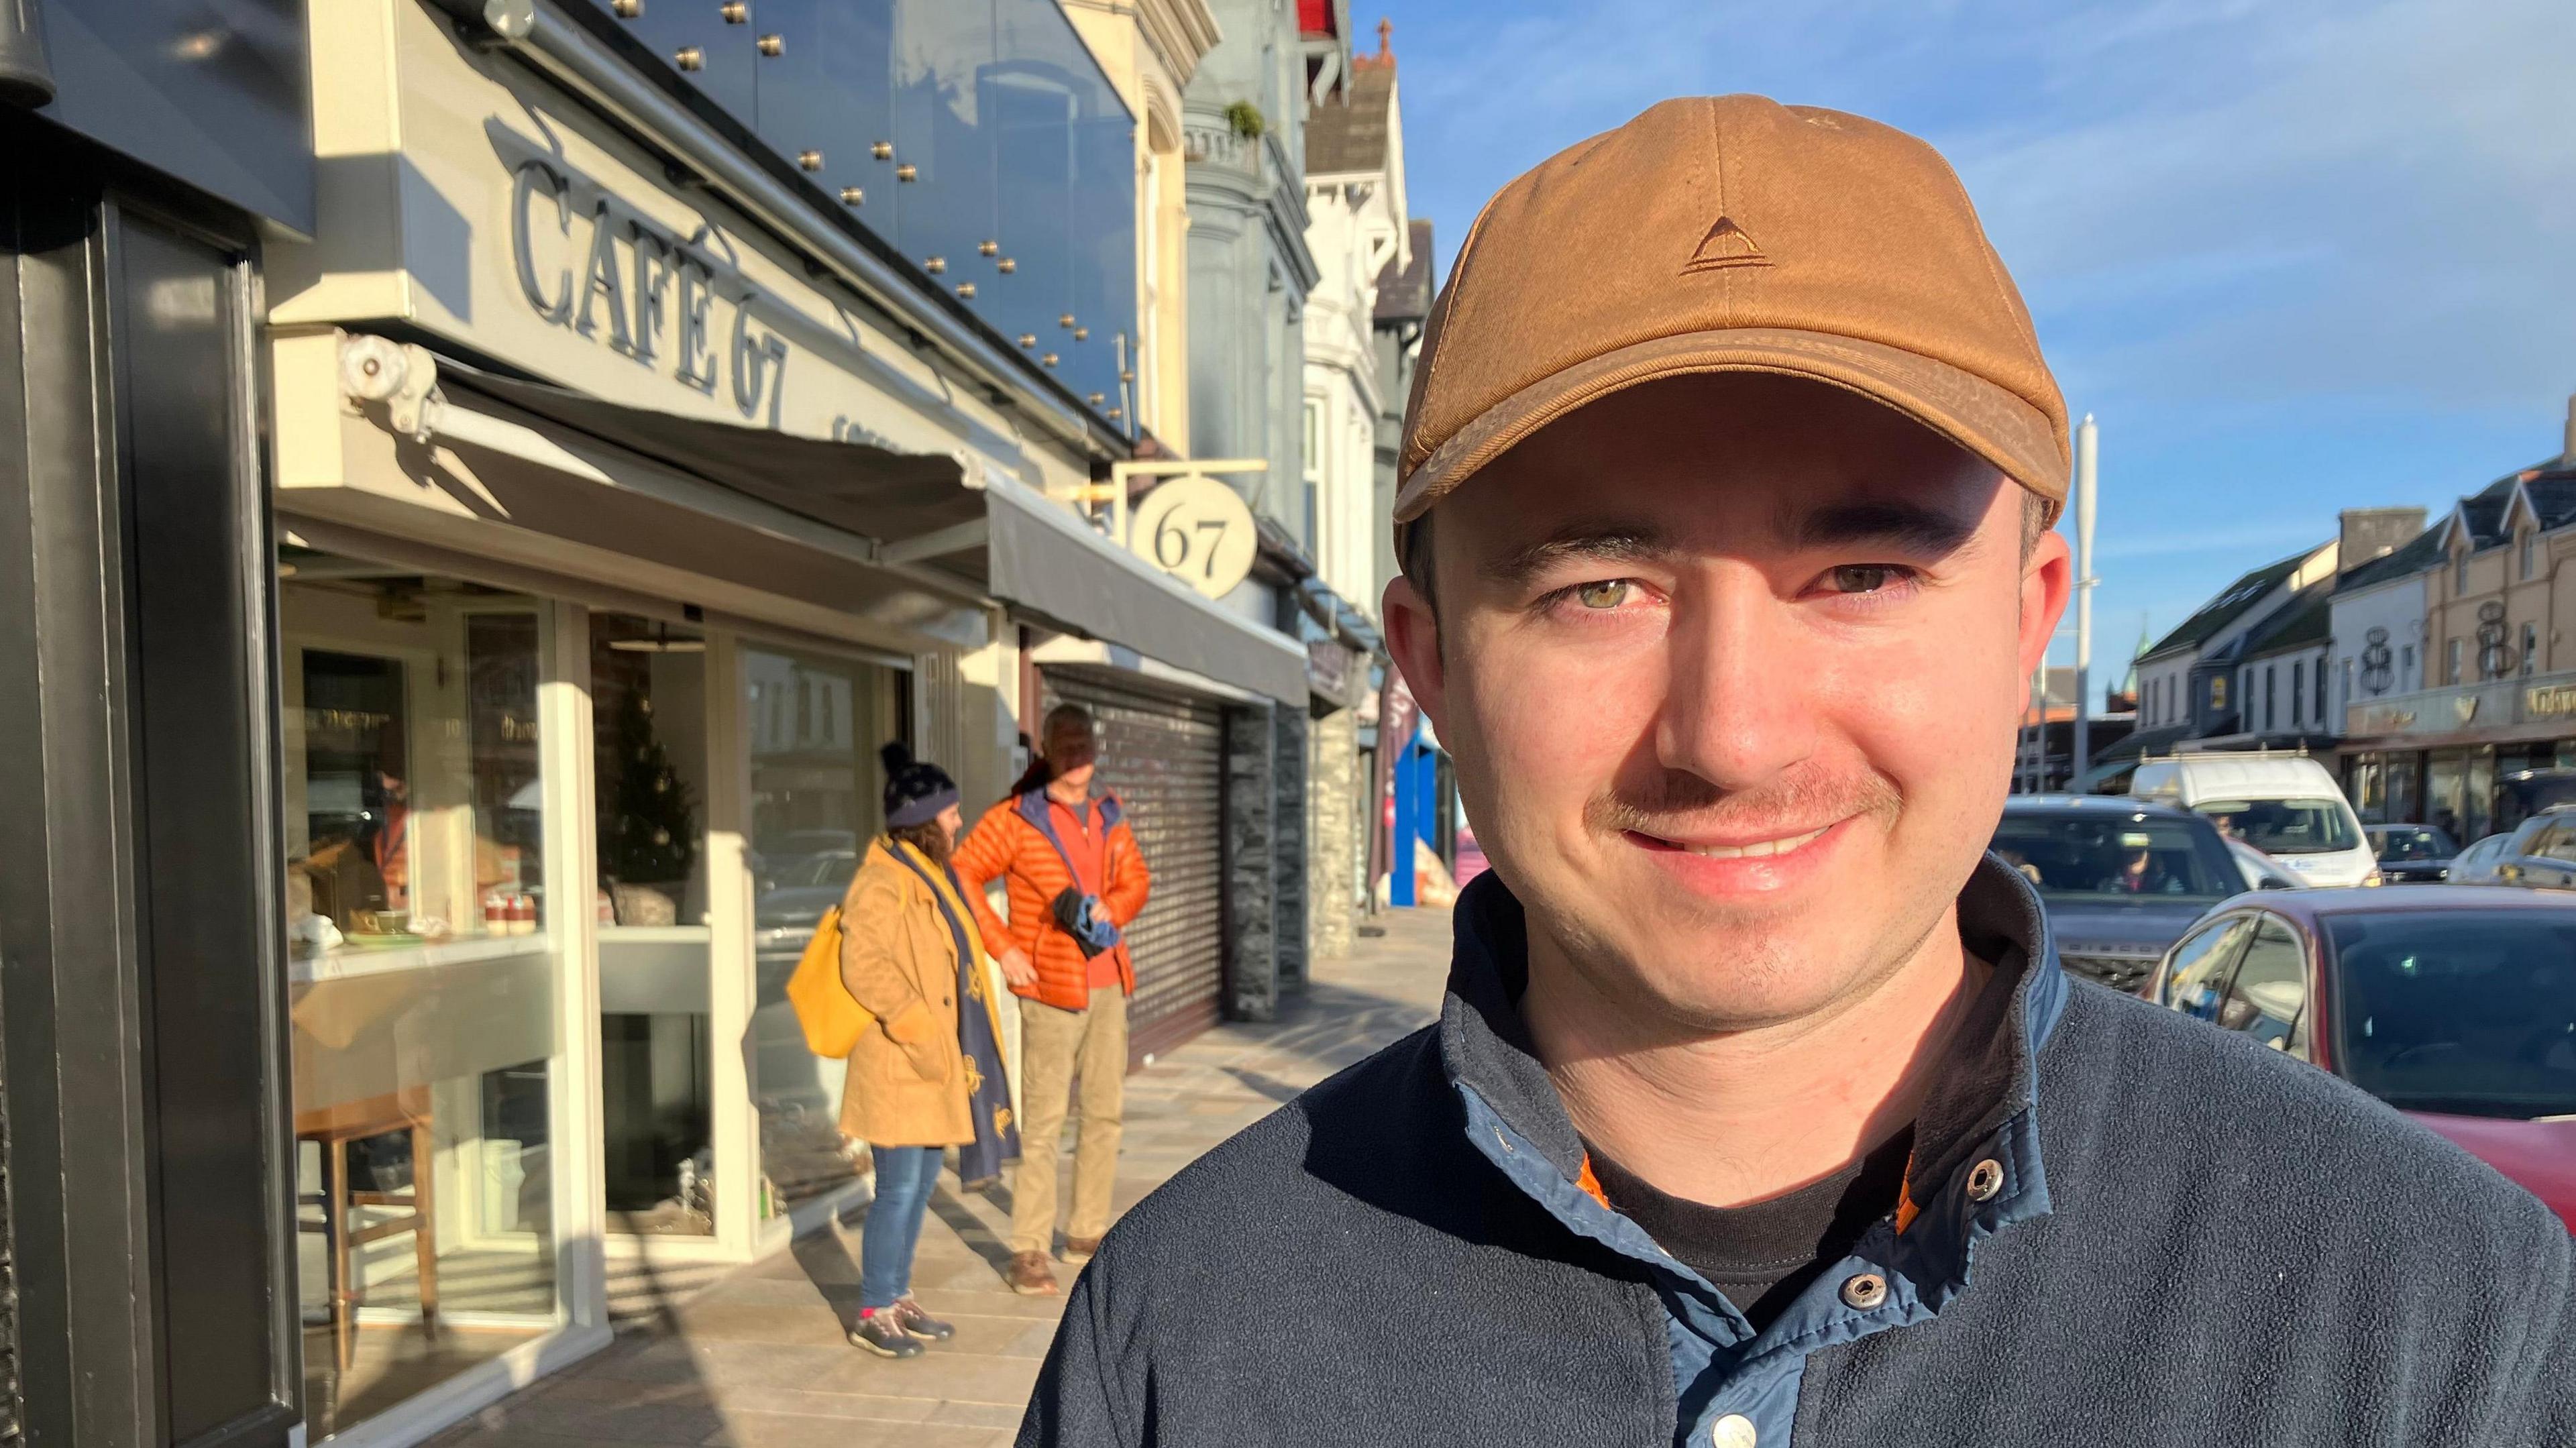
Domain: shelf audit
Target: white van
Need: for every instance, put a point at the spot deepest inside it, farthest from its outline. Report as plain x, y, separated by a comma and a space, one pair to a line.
2286, 805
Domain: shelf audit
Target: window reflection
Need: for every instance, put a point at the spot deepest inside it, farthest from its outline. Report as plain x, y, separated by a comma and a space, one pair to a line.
816, 792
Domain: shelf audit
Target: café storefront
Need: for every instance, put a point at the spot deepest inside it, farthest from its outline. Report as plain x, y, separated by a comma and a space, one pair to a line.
616, 531
2457, 757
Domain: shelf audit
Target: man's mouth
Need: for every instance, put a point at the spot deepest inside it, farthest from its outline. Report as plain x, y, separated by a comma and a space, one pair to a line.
1748, 850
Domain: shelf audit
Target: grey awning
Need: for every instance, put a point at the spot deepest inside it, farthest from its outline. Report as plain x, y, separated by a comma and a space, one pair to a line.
919, 513
1043, 560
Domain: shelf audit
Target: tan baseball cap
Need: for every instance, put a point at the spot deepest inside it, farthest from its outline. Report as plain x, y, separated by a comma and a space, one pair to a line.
1730, 234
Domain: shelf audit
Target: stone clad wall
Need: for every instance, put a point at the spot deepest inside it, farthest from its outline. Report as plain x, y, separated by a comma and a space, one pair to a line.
1333, 827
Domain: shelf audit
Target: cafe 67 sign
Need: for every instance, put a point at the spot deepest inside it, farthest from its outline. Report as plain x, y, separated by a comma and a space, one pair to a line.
588, 261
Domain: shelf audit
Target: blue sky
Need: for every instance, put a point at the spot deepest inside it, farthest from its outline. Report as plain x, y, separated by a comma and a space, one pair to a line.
2296, 255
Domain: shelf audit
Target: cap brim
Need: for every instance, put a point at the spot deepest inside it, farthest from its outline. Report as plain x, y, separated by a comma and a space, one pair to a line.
1997, 425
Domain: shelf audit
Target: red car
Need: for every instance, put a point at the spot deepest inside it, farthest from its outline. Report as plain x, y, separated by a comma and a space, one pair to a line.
2452, 1003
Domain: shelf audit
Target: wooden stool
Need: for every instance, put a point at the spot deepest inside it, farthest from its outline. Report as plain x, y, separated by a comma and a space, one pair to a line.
333, 1128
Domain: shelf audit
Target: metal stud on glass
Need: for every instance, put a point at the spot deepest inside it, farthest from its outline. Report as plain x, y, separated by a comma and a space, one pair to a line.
882, 150
935, 265
628, 9
905, 172
773, 45
1098, 398
1048, 359
1028, 339
1065, 321
1006, 266
691, 58
810, 160
1082, 334
735, 12
990, 248
853, 196
966, 290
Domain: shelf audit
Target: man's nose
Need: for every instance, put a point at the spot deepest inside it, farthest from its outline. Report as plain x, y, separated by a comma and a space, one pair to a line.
1742, 700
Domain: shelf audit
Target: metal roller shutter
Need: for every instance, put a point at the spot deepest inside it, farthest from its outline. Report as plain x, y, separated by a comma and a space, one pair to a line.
1164, 755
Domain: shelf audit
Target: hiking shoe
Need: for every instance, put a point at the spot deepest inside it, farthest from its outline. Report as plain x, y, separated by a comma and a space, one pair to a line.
1081, 1249
1031, 1276
919, 1323
881, 1332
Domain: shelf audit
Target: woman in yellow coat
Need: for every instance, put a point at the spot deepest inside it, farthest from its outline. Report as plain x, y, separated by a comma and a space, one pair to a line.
927, 1072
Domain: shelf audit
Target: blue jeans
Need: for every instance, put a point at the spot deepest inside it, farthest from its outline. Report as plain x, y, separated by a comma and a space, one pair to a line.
905, 1175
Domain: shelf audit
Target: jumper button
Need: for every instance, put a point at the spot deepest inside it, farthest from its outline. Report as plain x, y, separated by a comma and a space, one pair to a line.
1732, 1431
1865, 1290
1985, 1179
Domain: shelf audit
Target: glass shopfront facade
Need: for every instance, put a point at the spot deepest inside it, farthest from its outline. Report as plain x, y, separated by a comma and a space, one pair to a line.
814, 726
423, 977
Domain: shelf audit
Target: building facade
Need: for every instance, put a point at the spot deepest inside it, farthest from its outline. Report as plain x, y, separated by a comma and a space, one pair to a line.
552, 461
2495, 694
2190, 681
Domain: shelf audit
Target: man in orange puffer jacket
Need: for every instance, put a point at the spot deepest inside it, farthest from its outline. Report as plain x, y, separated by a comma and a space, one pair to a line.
1075, 879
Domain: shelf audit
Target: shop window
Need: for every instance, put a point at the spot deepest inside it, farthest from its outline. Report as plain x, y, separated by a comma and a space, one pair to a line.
421, 978
648, 686
2530, 649
817, 792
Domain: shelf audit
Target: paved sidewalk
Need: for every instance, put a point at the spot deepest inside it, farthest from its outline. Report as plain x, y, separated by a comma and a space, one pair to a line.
757, 1360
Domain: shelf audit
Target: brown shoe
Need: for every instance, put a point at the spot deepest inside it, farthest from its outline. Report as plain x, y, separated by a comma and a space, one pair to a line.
1081, 1249
1031, 1276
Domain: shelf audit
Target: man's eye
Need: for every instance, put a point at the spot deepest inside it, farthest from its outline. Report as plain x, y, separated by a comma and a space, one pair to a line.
1608, 594
1863, 577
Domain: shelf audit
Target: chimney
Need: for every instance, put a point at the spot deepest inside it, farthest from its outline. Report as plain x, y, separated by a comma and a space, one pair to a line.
2375, 533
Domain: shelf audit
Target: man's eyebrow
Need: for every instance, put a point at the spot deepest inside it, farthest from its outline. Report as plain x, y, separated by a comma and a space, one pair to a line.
1616, 543
1912, 527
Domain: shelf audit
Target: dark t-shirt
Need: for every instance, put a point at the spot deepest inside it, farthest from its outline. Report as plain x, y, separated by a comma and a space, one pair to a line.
1762, 1255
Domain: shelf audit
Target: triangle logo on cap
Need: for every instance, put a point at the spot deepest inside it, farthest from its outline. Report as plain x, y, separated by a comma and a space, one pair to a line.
1725, 245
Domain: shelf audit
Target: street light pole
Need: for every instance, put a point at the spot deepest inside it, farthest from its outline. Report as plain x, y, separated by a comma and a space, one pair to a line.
2086, 439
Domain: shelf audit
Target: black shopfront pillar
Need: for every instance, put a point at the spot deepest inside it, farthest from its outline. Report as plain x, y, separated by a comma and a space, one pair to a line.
149, 1173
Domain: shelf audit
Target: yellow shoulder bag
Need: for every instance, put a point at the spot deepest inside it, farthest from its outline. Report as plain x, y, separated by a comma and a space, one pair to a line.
832, 1018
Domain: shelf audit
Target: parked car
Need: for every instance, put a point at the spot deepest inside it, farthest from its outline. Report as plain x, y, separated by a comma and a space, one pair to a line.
2412, 854
2286, 805
2540, 854
2454, 1005
2120, 878
2476, 865
2261, 871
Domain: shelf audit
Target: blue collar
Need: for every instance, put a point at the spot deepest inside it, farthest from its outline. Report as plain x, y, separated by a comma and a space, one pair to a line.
1984, 1108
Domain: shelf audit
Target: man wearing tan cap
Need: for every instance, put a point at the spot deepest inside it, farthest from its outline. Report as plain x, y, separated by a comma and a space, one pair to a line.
1759, 1111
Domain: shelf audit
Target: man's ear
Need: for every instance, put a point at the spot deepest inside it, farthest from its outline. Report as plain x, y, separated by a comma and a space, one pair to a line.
2047, 581
1413, 641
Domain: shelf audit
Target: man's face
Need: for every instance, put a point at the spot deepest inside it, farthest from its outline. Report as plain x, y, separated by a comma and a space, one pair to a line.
1071, 755
1731, 668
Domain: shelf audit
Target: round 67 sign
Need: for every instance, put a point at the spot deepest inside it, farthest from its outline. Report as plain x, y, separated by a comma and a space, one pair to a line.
1198, 530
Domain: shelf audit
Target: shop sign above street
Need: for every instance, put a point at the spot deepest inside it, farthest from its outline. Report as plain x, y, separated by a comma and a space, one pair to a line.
2550, 701
638, 288
1198, 530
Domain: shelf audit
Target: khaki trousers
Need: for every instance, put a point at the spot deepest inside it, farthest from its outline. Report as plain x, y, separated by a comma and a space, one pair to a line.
1056, 1046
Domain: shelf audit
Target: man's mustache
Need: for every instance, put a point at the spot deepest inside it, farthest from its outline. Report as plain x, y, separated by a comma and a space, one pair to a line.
1676, 803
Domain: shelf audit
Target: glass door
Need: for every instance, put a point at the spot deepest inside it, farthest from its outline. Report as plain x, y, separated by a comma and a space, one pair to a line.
649, 720
814, 726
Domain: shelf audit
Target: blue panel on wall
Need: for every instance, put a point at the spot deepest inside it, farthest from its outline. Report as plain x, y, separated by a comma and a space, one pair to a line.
212, 94
1014, 139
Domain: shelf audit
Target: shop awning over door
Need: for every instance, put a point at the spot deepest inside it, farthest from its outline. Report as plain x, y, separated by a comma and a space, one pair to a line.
922, 511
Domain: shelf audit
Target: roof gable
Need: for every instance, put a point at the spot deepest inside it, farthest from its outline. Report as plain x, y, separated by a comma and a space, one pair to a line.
2231, 603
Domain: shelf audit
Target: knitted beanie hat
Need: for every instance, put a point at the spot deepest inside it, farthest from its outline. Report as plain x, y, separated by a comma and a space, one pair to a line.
916, 790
